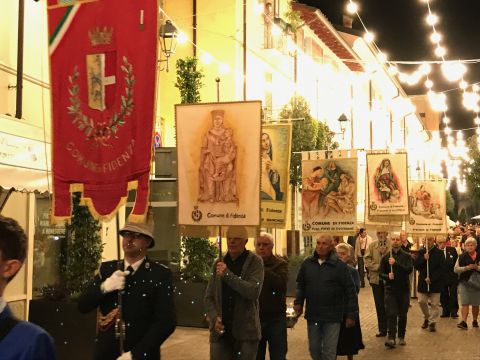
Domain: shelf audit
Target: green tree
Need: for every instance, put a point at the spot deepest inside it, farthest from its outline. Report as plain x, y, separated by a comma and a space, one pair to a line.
82, 250
307, 135
197, 255
189, 80
473, 175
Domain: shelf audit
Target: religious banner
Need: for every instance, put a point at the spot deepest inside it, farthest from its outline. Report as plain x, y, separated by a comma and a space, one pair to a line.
427, 200
329, 195
218, 148
387, 184
275, 175
103, 58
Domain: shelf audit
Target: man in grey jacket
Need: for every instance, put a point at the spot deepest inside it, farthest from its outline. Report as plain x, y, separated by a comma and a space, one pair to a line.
231, 301
373, 257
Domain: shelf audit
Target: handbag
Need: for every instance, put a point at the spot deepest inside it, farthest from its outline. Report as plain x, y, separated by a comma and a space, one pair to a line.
474, 280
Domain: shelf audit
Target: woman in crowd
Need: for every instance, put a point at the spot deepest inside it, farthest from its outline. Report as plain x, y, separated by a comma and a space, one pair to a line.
349, 339
466, 265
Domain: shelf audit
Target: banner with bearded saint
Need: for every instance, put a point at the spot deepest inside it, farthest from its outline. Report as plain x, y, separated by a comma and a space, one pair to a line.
103, 57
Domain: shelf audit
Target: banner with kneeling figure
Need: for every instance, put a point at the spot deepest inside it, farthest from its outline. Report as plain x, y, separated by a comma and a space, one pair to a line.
387, 184
275, 175
427, 200
329, 195
218, 148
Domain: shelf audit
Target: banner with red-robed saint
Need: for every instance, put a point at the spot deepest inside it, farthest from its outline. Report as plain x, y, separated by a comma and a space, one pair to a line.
103, 57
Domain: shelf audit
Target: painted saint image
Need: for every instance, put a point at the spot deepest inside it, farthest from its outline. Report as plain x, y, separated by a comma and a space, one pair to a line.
270, 177
386, 183
328, 191
422, 203
217, 171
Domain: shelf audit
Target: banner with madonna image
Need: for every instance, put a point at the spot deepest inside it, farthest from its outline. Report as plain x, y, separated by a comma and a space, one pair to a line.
218, 148
427, 200
275, 174
329, 195
387, 184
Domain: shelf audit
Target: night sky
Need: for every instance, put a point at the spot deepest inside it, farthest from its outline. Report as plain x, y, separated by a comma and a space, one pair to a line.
403, 34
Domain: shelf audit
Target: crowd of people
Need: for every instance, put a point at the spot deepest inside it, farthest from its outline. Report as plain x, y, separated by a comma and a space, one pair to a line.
246, 296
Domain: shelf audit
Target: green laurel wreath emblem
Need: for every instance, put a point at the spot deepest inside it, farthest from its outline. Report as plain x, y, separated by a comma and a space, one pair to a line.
101, 132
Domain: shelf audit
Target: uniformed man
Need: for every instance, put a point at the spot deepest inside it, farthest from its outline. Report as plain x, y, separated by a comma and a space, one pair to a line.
147, 298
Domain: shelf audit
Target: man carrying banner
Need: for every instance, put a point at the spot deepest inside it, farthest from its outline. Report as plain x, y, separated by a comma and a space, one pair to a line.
147, 310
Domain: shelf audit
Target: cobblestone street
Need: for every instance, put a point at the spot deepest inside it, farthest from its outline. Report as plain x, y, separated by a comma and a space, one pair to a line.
448, 342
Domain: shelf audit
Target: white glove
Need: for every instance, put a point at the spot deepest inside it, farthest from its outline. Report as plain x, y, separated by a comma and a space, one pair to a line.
115, 282
125, 356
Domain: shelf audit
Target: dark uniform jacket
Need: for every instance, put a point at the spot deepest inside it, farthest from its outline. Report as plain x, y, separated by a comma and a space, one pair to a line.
273, 296
450, 260
436, 270
401, 270
148, 310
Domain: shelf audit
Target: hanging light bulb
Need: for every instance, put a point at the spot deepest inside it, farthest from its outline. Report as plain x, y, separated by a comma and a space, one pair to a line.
369, 37
428, 84
393, 70
382, 57
448, 131
440, 51
182, 38
476, 120
435, 37
453, 71
475, 87
206, 58
352, 7
463, 85
425, 68
432, 19
477, 131
223, 68
446, 120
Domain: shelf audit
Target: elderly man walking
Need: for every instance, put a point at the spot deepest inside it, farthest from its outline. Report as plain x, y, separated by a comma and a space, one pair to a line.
430, 263
231, 301
273, 304
373, 257
326, 285
395, 269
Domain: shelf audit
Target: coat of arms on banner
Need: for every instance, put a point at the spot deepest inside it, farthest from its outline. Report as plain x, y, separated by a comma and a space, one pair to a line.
427, 207
275, 162
387, 184
329, 195
103, 76
218, 163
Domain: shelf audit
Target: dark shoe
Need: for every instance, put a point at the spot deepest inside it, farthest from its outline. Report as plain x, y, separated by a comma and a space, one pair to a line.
425, 324
431, 327
475, 323
381, 334
390, 343
445, 315
454, 316
401, 341
462, 325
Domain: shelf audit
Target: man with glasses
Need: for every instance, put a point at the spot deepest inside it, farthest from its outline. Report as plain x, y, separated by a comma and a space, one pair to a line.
147, 299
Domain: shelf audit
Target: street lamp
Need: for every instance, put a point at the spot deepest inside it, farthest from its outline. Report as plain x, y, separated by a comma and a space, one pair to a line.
342, 120
168, 41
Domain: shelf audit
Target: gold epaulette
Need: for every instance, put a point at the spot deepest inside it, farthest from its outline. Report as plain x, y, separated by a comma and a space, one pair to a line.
105, 322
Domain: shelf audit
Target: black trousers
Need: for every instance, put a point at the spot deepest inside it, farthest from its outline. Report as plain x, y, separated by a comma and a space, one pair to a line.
361, 270
396, 306
379, 299
449, 299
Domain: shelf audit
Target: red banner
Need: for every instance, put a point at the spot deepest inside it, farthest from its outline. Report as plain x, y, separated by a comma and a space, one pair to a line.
103, 71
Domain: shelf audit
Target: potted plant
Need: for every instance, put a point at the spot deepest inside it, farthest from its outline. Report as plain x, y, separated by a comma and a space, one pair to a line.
197, 256
56, 310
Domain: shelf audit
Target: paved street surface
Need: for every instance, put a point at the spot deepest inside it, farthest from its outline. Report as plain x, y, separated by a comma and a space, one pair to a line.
448, 343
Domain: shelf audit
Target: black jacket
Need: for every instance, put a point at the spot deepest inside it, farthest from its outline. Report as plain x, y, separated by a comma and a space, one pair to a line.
148, 310
450, 260
464, 260
401, 270
328, 289
436, 269
273, 296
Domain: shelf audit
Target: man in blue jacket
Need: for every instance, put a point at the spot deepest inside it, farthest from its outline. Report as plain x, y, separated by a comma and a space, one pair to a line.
325, 283
19, 340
